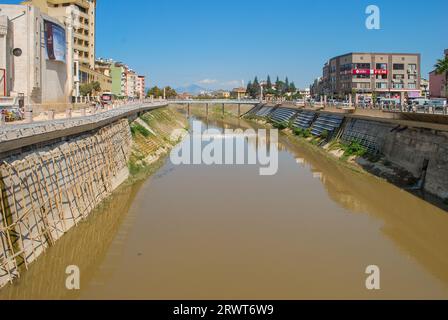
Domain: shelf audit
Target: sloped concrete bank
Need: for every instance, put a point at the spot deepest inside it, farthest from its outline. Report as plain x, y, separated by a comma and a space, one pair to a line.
47, 191
410, 154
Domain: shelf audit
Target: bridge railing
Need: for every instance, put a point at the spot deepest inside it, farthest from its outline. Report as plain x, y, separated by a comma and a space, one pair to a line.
382, 107
212, 101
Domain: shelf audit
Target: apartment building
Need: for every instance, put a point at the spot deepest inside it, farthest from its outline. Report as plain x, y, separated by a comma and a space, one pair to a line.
118, 73
103, 66
391, 75
84, 35
131, 84
141, 85
438, 83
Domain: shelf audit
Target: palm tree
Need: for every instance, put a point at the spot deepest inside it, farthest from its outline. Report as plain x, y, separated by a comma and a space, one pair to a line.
442, 68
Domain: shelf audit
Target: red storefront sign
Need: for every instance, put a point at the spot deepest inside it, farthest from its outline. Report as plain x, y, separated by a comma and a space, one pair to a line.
380, 71
369, 71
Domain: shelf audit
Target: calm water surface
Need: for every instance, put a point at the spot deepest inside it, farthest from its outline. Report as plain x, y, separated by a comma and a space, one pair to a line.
225, 232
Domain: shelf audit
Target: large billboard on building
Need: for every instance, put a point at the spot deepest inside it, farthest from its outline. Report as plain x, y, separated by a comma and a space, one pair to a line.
55, 42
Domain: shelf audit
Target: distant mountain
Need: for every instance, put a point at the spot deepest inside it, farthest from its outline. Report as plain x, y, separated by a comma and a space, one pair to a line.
192, 89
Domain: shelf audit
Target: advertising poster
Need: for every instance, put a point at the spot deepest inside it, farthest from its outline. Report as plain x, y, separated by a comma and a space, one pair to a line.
55, 42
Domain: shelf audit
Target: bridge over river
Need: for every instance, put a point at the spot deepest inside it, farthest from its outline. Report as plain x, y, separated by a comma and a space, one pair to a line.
221, 102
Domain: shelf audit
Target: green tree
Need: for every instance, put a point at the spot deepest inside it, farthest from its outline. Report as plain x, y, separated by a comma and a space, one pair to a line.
442, 68
286, 87
280, 86
374, 97
255, 87
170, 92
85, 89
269, 83
96, 87
249, 89
256, 83
292, 88
155, 92
89, 89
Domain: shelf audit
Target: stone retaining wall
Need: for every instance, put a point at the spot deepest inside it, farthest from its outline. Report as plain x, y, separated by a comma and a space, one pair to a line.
47, 192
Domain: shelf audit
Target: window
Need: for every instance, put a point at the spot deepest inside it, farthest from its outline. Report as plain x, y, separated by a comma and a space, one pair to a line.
398, 77
361, 76
412, 86
346, 67
381, 85
412, 67
398, 86
381, 66
398, 66
363, 85
361, 66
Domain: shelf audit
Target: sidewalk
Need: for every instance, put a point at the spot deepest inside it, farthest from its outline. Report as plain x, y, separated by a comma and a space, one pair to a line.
19, 134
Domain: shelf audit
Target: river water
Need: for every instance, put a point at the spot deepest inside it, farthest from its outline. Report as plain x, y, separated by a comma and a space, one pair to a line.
225, 232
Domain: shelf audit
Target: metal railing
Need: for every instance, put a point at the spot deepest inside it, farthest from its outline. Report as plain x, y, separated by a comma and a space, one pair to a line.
384, 107
28, 116
212, 101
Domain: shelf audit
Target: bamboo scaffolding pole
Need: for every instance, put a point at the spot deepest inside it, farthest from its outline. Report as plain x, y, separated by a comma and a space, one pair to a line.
67, 186
45, 191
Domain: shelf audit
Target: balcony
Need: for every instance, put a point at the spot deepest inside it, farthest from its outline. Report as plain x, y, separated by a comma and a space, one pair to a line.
82, 3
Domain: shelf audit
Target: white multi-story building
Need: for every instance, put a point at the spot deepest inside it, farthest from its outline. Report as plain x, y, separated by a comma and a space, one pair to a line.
36, 56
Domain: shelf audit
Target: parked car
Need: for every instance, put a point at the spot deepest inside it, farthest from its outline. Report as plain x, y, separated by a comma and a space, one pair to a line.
107, 98
438, 104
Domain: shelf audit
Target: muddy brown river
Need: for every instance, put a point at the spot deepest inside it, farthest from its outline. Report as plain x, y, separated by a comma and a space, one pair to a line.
225, 232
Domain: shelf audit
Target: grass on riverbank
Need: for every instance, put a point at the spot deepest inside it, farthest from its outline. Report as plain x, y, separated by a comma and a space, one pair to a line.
153, 139
336, 150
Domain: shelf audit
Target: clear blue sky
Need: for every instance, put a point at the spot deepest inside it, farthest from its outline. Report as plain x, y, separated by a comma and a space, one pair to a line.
221, 42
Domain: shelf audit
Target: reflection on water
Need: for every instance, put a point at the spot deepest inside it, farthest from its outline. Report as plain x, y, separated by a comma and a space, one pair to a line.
212, 232
85, 246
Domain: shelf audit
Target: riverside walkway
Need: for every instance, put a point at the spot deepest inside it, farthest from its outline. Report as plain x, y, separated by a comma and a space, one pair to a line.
14, 136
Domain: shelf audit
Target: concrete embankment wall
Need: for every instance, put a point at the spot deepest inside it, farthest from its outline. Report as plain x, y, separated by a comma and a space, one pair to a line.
411, 148
55, 185
410, 145
46, 192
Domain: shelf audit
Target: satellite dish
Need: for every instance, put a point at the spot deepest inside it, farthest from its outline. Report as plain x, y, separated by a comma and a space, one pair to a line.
17, 52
